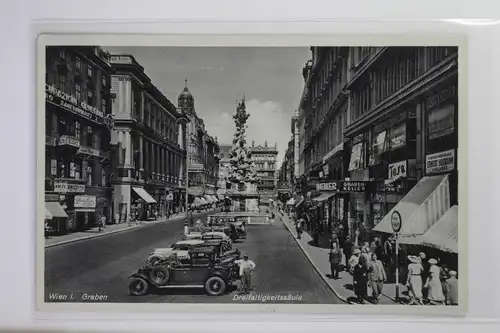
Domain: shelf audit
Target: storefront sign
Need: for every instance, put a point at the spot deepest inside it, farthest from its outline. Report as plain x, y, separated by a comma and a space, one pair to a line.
441, 121
396, 221
64, 187
195, 191
89, 151
332, 186
440, 162
66, 140
121, 59
195, 167
352, 186
70, 103
85, 201
397, 136
397, 170
441, 97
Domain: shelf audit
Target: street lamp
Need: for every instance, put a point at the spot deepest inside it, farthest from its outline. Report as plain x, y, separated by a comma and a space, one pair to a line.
186, 224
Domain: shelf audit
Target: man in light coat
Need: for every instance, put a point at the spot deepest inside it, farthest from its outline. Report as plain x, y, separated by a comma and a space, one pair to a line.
246, 270
377, 277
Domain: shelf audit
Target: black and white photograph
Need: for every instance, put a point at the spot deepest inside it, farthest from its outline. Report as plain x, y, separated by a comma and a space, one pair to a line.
303, 175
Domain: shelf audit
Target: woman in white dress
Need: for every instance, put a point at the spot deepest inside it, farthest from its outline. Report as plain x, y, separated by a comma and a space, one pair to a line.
414, 280
433, 284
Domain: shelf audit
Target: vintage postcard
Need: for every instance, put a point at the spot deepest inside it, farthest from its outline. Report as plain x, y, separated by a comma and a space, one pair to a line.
309, 175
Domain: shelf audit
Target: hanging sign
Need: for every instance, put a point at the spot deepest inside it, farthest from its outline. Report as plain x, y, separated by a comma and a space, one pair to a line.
397, 170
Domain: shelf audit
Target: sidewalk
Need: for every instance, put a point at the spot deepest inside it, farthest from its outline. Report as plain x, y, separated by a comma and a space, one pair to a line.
109, 229
319, 259
88, 234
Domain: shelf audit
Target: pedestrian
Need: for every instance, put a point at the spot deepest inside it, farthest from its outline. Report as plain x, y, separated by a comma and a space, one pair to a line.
47, 228
316, 236
373, 245
354, 259
335, 258
360, 280
452, 289
433, 283
388, 251
103, 222
365, 252
425, 272
414, 280
246, 270
347, 250
298, 227
377, 277
334, 239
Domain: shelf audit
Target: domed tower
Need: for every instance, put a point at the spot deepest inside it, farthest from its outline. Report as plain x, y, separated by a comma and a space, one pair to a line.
186, 100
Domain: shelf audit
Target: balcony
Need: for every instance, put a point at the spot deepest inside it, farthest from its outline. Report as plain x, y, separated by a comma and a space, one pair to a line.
68, 141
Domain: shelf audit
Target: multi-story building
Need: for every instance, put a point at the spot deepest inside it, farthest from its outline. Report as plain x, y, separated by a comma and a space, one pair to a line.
77, 126
379, 128
402, 136
323, 116
150, 154
203, 152
264, 158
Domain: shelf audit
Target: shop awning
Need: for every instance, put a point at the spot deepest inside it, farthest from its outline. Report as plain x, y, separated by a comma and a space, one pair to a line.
214, 198
221, 197
443, 235
299, 202
208, 199
291, 202
422, 207
203, 201
55, 209
144, 195
324, 196
48, 214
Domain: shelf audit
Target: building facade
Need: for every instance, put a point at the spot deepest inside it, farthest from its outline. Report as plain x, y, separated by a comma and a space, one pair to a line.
77, 129
264, 158
202, 149
378, 129
150, 157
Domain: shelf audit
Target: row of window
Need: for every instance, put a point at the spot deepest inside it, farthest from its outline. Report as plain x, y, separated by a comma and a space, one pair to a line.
85, 134
381, 82
75, 170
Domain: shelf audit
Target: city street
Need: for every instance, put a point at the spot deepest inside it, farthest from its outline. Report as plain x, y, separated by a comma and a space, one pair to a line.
101, 266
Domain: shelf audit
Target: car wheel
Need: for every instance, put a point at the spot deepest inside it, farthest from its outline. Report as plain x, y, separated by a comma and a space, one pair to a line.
160, 275
138, 287
215, 286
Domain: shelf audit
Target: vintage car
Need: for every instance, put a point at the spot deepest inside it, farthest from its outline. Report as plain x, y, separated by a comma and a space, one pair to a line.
180, 249
192, 235
200, 269
216, 237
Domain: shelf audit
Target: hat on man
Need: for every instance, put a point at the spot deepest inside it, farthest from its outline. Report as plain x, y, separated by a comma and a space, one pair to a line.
433, 261
356, 251
245, 257
452, 273
414, 259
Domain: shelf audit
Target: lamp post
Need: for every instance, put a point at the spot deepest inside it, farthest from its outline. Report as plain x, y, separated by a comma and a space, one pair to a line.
186, 203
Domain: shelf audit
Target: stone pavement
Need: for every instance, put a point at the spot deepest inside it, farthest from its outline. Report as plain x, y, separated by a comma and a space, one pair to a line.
342, 287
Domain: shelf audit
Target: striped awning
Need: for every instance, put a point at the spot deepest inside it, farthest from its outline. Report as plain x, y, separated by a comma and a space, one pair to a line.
55, 209
144, 195
443, 235
421, 208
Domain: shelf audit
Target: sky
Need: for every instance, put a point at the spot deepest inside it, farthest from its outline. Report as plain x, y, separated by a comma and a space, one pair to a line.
218, 77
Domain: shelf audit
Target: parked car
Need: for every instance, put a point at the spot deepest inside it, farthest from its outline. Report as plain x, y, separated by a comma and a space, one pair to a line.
200, 269
213, 237
180, 249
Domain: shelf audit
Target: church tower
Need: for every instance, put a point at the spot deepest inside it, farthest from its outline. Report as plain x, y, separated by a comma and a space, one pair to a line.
186, 101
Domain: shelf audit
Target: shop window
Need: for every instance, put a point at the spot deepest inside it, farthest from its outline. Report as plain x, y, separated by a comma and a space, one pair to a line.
78, 171
441, 121
397, 136
378, 147
356, 161
89, 71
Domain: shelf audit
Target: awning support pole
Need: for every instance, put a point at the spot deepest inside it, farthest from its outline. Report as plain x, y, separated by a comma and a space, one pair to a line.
397, 267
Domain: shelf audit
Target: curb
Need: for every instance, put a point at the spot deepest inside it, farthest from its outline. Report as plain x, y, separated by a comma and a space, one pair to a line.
342, 298
91, 236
